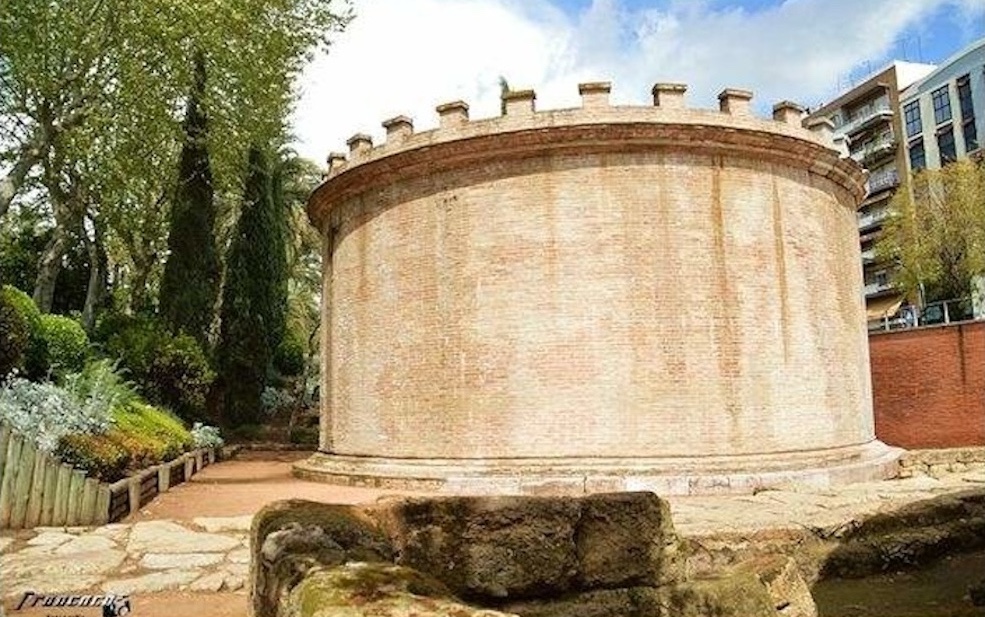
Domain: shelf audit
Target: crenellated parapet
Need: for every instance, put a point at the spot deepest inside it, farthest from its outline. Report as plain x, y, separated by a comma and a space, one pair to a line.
521, 127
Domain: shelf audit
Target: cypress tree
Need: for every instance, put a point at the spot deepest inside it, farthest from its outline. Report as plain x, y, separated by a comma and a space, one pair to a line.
190, 285
252, 298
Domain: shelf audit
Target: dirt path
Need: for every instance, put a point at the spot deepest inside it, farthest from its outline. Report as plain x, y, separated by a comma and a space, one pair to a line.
243, 486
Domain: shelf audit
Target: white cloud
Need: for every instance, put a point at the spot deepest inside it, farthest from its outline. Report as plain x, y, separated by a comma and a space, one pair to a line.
406, 56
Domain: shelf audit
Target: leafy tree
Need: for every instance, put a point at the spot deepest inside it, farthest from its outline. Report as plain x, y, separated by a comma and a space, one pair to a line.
936, 232
253, 297
190, 286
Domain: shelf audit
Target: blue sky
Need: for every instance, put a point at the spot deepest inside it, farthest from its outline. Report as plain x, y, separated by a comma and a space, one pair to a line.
406, 56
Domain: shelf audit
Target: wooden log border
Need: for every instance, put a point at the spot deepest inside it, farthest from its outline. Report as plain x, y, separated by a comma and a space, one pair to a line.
38, 489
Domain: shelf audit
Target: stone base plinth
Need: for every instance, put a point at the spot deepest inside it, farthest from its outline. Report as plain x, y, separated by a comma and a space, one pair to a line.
664, 476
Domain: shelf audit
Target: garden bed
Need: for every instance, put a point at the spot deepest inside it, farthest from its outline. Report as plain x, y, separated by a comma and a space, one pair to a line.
39, 490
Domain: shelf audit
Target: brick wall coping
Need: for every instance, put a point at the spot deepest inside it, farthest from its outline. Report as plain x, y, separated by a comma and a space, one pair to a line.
596, 126
916, 330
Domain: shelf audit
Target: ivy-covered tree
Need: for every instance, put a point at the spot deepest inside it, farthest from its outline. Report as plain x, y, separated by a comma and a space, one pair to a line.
190, 286
253, 298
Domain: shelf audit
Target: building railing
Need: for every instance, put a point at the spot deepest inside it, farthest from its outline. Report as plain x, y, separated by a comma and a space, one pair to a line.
882, 180
872, 217
874, 288
874, 149
866, 115
933, 314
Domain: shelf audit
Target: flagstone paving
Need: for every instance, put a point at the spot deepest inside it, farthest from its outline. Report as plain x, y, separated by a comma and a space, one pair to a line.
180, 553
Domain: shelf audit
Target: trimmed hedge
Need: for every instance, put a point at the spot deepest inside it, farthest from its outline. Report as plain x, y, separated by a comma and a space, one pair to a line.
33, 359
14, 336
66, 344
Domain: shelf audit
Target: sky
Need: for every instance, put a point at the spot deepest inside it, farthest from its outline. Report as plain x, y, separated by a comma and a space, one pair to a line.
405, 57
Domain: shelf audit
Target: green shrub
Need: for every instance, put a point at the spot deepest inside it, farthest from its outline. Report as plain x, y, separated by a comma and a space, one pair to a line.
66, 343
290, 355
181, 376
206, 436
141, 436
102, 456
172, 371
304, 435
134, 340
14, 336
246, 432
156, 435
34, 362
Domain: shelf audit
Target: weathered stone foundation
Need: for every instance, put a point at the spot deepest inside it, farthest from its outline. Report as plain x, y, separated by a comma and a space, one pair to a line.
596, 556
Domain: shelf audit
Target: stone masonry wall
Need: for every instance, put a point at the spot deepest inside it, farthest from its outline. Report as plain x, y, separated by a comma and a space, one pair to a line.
591, 287
622, 304
929, 386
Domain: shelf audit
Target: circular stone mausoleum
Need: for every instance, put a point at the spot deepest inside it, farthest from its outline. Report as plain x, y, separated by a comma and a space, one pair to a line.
595, 299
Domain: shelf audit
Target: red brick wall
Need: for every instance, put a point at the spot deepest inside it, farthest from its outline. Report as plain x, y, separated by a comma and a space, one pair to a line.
928, 386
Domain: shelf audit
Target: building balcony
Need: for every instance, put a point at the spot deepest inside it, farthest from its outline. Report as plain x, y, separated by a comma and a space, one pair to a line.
872, 289
874, 151
872, 218
882, 181
869, 256
866, 117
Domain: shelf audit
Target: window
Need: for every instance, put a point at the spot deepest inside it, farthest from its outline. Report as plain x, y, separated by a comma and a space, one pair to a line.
964, 97
911, 114
970, 135
969, 131
942, 105
918, 158
945, 143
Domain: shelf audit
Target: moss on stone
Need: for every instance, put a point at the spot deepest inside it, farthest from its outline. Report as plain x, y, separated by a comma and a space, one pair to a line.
362, 589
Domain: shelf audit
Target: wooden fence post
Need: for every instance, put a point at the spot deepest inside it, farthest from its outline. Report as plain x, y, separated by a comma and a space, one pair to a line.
134, 488
50, 492
10, 474
102, 504
189, 467
41, 464
22, 485
4, 442
89, 494
164, 477
62, 486
75, 497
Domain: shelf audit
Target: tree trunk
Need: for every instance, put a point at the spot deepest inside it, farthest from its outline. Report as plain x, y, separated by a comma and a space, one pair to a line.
10, 184
48, 267
97, 278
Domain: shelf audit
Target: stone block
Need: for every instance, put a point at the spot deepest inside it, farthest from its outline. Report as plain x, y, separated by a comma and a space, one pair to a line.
289, 538
626, 540
489, 548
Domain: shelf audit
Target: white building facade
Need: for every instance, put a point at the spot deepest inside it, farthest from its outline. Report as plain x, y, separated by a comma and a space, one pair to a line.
944, 113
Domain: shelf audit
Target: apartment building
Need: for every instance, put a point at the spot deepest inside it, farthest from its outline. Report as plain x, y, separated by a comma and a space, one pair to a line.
869, 127
944, 112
